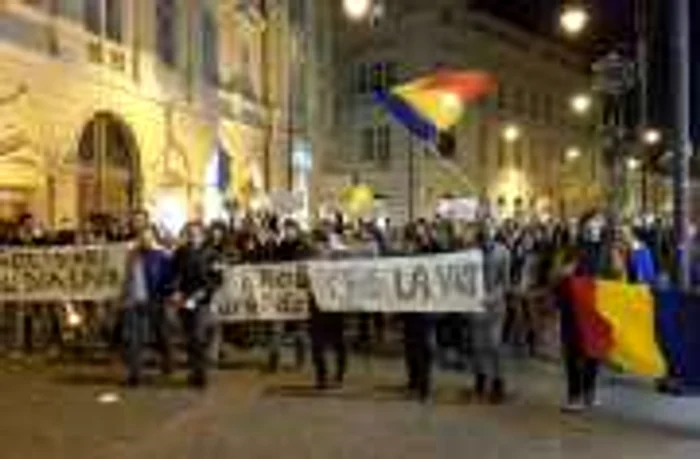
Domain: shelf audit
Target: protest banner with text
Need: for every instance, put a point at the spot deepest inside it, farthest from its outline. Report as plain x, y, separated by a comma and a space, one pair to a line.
72, 273
431, 283
273, 292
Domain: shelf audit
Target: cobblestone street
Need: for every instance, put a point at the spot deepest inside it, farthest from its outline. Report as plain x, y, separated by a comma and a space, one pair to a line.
53, 412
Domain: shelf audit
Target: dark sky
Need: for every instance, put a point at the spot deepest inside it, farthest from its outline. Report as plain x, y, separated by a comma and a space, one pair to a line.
612, 27
612, 20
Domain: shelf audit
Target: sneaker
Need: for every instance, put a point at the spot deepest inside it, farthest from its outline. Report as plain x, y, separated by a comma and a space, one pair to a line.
593, 402
573, 407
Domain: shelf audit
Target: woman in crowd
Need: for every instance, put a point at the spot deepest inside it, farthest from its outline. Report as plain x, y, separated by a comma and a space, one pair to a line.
581, 371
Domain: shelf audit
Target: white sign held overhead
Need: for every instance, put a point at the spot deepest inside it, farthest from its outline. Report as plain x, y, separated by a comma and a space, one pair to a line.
462, 209
286, 202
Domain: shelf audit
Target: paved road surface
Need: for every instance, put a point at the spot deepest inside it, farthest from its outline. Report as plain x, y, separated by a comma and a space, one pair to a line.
52, 412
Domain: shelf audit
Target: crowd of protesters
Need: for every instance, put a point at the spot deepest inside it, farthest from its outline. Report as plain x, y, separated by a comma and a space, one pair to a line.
526, 267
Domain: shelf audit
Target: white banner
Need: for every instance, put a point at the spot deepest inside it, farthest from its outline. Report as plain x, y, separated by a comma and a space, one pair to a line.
274, 292
72, 273
431, 283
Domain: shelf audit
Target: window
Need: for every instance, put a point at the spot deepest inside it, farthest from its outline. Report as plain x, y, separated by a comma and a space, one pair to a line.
548, 109
92, 16
101, 17
377, 76
363, 79
113, 22
210, 60
534, 106
447, 144
73, 10
368, 144
384, 145
518, 155
376, 144
501, 154
391, 74
502, 94
534, 158
483, 145
166, 27
519, 101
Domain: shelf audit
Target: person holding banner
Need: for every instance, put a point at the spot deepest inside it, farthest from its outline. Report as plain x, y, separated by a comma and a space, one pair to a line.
417, 326
145, 291
196, 279
487, 327
326, 329
291, 247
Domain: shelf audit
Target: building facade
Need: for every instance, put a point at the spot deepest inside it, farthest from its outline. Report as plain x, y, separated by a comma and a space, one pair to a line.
523, 150
179, 106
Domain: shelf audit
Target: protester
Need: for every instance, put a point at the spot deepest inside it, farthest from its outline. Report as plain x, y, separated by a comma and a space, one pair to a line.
581, 370
487, 328
418, 326
326, 329
291, 247
195, 279
148, 279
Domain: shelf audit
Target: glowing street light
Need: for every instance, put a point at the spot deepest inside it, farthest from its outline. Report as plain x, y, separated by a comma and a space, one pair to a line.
574, 19
357, 9
633, 164
572, 154
511, 133
651, 136
581, 104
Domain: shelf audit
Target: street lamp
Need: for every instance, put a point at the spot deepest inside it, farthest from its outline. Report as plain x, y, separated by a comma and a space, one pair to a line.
511, 133
633, 164
357, 9
581, 104
572, 154
574, 19
651, 137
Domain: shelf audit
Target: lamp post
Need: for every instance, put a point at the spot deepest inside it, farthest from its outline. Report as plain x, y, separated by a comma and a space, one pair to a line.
613, 78
682, 143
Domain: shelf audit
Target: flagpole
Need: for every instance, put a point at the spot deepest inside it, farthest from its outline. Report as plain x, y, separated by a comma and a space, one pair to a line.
411, 171
411, 180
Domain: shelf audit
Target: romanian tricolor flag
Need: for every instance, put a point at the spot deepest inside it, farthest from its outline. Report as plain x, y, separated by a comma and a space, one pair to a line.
435, 103
639, 330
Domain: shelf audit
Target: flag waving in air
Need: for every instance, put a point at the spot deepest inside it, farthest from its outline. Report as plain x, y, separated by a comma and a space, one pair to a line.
435, 103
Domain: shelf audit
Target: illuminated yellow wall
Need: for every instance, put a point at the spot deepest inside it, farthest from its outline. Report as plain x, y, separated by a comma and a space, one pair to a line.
55, 77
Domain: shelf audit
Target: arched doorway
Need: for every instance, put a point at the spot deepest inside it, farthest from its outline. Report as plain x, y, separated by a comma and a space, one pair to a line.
108, 171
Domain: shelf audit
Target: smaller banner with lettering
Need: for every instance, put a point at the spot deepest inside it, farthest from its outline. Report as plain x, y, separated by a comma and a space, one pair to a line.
273, 292
431, 283
72, 273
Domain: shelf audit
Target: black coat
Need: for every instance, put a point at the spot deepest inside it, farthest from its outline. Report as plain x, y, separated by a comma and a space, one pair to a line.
195, 271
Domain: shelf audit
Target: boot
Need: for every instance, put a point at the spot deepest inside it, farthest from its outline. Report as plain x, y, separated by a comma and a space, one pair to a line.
498, 392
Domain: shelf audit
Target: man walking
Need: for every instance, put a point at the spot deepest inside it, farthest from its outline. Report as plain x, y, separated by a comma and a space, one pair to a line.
487, 327
145, 291
196, 278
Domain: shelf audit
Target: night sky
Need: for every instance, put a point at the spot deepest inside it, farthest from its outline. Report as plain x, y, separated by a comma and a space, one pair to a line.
612, 20
612, 27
